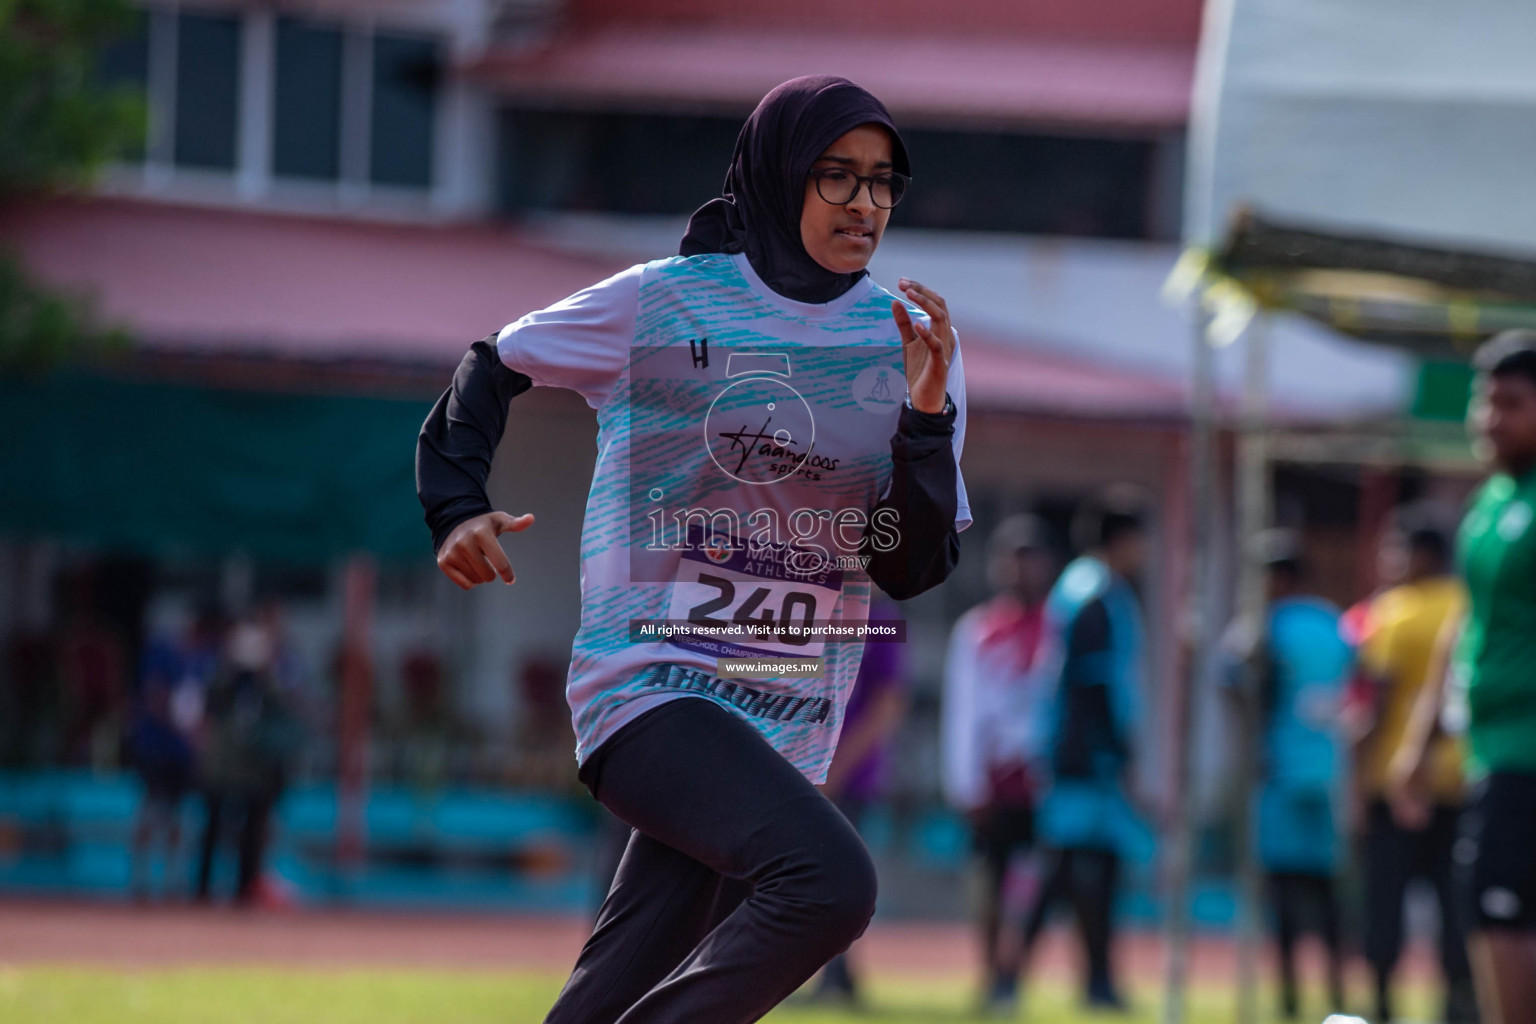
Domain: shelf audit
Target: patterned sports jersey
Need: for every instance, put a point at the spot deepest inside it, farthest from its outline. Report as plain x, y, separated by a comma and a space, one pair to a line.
1493, 687
743, 440
1309, 664
1114, 659
1096, 630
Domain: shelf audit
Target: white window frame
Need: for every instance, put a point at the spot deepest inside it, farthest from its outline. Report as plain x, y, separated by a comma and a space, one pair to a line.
253, 180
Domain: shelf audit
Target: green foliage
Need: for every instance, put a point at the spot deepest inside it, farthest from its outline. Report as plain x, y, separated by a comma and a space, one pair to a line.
59, 126
39, 328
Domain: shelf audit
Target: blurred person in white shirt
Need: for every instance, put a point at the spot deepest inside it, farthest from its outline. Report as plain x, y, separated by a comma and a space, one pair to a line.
998, 682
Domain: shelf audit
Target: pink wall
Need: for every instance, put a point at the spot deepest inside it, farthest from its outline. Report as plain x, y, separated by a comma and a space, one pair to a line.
1164, 21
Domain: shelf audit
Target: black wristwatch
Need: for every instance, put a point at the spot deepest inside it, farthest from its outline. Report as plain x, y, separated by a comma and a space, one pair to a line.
949, 406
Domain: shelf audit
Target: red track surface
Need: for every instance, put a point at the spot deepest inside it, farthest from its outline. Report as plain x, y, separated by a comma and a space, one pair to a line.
119, 936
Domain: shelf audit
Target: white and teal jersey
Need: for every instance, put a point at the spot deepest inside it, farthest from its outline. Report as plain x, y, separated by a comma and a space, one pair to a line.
743, 442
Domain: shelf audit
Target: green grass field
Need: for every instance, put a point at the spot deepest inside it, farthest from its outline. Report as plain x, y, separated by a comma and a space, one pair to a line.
57, 995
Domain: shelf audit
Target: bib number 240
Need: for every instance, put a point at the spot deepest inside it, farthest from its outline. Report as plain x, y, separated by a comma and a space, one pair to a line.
796, 608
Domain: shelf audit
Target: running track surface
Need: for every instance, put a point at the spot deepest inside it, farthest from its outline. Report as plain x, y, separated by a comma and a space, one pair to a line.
35, 932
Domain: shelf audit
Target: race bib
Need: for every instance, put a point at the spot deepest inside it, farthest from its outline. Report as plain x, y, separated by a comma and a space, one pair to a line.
752, 600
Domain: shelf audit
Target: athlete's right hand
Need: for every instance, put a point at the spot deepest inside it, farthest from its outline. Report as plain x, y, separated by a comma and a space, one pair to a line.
472, 555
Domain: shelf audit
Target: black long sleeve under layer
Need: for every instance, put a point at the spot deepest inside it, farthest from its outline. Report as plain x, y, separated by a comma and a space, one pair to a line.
460, 435
925, 498
459, 439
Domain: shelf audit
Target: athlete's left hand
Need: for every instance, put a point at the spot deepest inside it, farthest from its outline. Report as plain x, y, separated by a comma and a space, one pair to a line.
926, 350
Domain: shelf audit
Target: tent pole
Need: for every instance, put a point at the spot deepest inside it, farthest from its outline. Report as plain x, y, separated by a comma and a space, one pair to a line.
1253, 516
1182, 826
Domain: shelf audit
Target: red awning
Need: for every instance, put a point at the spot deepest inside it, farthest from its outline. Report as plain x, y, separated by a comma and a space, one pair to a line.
1012, 377
204, 280
935, 81
220, 282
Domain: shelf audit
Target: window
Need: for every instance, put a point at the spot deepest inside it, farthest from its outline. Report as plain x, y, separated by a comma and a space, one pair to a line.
306, 139
350, 106
405, 75
640, 163
1040, 184
974, 181
207, 90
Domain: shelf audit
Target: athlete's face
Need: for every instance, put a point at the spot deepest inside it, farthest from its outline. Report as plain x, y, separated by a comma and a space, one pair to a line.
1503, 420
843, 237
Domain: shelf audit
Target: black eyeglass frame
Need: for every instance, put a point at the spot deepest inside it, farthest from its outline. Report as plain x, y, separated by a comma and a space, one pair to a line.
900, 184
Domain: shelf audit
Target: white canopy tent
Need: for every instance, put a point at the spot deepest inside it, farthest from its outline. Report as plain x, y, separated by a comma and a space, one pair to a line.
1412, 118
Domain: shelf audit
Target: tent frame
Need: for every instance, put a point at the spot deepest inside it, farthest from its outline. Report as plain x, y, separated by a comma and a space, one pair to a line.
1426, 300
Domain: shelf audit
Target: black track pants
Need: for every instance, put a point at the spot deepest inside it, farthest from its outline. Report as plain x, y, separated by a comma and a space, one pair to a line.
740, 881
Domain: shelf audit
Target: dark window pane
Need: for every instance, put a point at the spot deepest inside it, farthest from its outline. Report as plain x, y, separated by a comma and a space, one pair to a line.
641, 163
125, 59
1042, 184
632, 163
207, 90
123, 65
405, 74
306, 139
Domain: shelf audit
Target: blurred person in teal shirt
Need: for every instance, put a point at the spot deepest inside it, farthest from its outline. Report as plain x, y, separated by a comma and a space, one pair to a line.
1300, 665
1086, 819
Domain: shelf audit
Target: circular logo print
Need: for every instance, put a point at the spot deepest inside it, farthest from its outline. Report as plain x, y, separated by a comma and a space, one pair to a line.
1515, 521
1500, 903
879, 388
759, 430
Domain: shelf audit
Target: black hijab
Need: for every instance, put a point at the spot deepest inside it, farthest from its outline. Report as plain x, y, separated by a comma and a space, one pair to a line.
759, 212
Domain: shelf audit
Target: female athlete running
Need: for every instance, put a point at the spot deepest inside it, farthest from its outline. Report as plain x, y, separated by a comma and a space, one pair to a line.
757, 469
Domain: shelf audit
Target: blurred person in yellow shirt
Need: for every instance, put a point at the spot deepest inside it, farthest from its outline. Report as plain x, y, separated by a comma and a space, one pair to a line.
1402, 838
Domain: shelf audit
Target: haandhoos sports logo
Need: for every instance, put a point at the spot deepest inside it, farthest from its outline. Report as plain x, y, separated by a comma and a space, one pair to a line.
804, 508
760, 430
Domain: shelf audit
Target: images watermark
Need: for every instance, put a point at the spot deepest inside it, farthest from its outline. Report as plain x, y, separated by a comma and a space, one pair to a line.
753, 668
875, 631
816, 539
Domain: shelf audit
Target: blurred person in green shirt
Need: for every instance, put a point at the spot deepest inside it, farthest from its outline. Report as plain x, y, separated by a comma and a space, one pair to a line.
1489, 688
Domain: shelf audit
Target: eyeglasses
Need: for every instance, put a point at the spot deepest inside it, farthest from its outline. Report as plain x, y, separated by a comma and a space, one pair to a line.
839, 186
